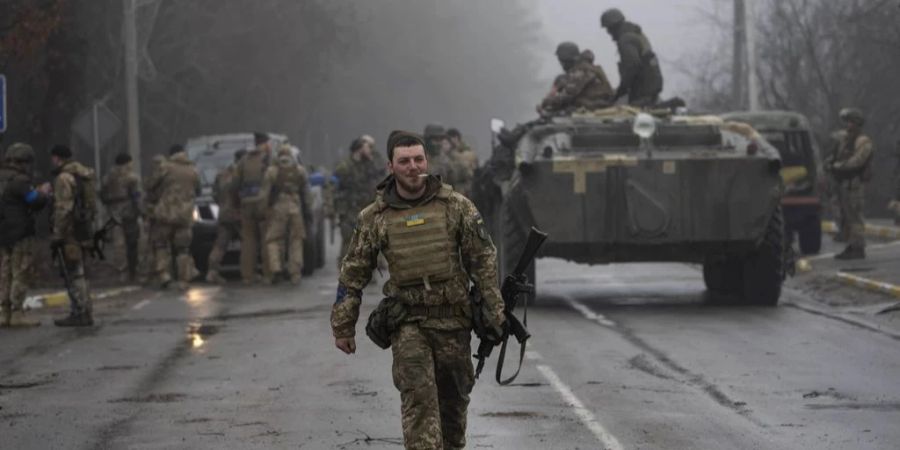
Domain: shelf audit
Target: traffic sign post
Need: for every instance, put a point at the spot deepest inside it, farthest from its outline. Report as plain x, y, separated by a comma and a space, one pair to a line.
2, 103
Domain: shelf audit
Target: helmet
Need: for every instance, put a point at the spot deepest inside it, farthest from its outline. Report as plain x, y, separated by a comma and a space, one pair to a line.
19, 152
611, 18
567, 51
853, 115
433, 130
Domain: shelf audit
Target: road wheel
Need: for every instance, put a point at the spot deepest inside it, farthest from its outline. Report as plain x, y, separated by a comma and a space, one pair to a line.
512, 243
763, 271
811, 235
723, 276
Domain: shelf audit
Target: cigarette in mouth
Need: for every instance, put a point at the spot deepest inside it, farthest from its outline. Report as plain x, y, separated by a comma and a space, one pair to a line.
423, 175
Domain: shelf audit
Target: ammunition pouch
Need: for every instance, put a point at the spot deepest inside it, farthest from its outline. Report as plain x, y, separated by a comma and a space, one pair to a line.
385, 320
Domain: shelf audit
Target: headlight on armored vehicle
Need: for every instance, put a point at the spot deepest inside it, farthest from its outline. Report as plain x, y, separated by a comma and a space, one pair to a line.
644, 126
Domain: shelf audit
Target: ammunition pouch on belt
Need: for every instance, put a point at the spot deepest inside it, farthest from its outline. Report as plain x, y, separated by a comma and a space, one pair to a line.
385, 320
435, 312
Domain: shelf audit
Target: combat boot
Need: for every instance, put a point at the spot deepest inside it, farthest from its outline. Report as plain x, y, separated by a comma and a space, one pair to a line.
75, 320
851, 253
16, 319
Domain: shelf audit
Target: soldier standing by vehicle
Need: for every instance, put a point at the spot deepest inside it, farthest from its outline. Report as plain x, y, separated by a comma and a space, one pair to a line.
247, 187
286, 186
19, 202
121, 195
639, 73
583, 86
228, 221
435, 244
175, 186
74, 209
851, 169
354, 189
466, 161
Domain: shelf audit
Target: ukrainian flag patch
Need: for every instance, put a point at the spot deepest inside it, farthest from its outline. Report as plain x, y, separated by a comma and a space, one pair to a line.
415, 220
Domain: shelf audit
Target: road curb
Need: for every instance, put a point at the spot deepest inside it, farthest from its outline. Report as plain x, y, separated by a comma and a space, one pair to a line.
870, 285
875, 231
57, 299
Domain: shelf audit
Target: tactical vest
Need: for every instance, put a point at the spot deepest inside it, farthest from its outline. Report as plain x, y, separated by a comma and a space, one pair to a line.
289, 179
253, 169
420, 249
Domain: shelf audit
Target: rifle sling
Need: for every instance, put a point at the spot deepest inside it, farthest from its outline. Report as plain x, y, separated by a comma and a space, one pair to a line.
502, 356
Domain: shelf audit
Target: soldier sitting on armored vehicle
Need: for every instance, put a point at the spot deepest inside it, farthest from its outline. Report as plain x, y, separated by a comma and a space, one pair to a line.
584, 85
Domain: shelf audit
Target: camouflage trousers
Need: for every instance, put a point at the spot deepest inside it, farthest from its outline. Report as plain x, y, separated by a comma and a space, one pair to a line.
285, 232
433, 371
16, 273
78, 289
253, 226
166, 239
225, 233
851, 195
124, 255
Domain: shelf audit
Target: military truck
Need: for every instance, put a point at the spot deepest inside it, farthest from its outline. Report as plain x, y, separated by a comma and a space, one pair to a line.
791, 133
619, 185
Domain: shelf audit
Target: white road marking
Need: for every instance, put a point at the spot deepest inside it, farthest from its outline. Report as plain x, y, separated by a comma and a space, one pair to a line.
590, 315
586, 417
140, 304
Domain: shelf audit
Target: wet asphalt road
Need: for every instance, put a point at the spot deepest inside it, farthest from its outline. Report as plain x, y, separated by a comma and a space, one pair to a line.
627, 356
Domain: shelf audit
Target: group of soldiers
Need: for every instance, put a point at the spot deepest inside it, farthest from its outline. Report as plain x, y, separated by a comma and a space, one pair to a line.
584, 85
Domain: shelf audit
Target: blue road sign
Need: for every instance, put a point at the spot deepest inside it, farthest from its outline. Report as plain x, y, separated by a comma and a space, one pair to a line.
2, 103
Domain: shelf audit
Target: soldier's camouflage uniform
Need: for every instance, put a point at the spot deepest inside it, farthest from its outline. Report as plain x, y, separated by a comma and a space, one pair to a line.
286, 184
247, 187
639, 73
228, 221
65, 189
174, 186
121, 195
434, 248
584, 85
466, 161
356, 181
147, 263
19, 202
853, 154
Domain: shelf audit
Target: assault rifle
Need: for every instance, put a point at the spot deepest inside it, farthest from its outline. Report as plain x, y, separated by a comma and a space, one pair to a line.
515, 284
101, 237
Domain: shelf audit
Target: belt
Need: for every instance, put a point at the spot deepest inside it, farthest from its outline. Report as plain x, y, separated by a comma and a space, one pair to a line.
436, 312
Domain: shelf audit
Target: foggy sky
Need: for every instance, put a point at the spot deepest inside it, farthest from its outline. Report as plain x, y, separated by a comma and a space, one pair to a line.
675, 29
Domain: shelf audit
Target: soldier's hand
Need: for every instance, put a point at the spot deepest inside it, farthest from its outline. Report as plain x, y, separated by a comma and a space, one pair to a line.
347, 345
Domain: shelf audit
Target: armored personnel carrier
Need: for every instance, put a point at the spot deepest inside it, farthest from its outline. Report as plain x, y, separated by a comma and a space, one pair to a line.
620, 185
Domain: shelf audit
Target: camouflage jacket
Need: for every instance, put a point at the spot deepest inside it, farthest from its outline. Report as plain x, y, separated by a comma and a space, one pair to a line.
121, 192
225, 196
473, 244
287, 179
248, 176
639, 70
356, 181
175, 184
584, 86
64, 191
852, 158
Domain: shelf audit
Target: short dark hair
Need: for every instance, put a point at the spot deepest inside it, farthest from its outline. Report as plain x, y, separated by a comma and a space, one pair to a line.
260, 138
357, 144
453, 132
61, 151
239, 154
399, 138
177, 148
122, 159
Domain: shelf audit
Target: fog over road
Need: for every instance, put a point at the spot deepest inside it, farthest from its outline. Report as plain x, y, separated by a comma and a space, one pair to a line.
623, 356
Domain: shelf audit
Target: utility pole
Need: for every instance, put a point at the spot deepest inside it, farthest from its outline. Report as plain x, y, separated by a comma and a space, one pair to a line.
129, 23
750, 33
738, 70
